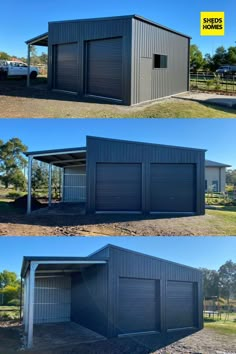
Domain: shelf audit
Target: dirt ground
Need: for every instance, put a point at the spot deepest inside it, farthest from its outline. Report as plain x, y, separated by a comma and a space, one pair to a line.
204, 342
18, 101
114, 225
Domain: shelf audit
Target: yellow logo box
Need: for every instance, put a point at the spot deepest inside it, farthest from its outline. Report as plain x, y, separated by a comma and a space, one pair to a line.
212, 23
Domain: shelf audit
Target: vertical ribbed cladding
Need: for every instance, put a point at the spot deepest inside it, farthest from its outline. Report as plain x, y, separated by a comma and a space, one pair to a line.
129, 264
113, 151
147, 40
85, 30
52, 300
89, 298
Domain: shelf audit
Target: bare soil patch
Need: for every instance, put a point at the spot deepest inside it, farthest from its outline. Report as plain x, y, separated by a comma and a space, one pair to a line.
204, 342
113, 225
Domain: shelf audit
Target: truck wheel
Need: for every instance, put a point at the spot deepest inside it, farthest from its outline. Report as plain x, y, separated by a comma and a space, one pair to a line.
33, 75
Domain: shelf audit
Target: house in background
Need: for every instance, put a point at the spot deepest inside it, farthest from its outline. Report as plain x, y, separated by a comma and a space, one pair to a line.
215, 176
120, 176
113, 292
124, 59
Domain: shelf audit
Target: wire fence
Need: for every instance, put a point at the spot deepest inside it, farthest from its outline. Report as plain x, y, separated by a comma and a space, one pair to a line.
211, 82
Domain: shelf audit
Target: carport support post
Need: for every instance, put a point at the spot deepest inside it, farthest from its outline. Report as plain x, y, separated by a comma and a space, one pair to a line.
28, 62
50, 184
30, 159
33, 267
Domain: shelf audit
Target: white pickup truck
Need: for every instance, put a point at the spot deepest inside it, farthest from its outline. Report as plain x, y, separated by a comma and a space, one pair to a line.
16, 69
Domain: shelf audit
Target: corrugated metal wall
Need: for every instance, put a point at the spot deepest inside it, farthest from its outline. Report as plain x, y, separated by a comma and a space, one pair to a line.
74, 184
124, 263
82, 31
89, 298
101, 150
146, 41
52, 299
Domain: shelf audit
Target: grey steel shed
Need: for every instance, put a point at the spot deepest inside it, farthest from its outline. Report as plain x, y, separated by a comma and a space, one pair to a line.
125, 59
114, 292
119, 176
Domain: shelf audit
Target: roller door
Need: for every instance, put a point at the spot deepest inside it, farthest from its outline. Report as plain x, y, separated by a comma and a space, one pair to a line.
66, 70
138, 309
173, 187
180, 305
104, 68
118, 187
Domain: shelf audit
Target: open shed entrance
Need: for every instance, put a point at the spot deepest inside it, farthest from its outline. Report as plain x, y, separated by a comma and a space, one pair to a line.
48, 304
41, 41
72, 166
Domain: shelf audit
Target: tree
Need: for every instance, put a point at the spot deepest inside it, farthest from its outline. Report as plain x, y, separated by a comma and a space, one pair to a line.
43, 58
210, 282
4, 56
231, 177
8, 278
196, 59
9, 293
39, 176
12, 162
227, 280
231, 56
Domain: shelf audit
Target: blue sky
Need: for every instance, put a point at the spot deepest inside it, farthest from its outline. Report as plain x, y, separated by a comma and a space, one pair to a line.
30, 18
215, 135
209, 252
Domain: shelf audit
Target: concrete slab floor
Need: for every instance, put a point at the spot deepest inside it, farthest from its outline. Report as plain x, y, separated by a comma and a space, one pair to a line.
211, 98
52, 335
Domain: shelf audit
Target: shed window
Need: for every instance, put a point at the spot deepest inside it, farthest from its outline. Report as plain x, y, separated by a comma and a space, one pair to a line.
160, 61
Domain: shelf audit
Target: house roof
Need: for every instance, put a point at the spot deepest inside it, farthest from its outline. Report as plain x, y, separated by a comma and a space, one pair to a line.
42, 40
209, 163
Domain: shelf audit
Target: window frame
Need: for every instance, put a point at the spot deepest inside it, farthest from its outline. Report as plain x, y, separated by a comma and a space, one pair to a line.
160, 55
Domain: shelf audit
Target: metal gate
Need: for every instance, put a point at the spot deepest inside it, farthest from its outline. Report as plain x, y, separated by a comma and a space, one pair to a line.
74, 187
104, 68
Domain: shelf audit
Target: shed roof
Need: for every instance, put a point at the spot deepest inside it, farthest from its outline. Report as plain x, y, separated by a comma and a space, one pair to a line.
60, 157
59, 264
209, 163
42, 40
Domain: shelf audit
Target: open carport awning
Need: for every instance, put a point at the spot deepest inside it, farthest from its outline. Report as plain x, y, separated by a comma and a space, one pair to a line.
41, 40
34, 267
60, 157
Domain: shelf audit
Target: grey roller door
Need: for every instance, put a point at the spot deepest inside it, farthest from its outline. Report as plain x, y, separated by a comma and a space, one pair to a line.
138, 310
180, 305
173, 187
104, 68
118, 187
66, 70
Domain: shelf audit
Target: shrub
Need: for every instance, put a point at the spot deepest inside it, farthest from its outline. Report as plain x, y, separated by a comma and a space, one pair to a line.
14, 302
14, 194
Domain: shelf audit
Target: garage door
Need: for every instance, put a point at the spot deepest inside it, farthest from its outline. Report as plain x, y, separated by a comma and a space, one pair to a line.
118, 187
180, 304
66, 70
173, 187
104, 68
138, 310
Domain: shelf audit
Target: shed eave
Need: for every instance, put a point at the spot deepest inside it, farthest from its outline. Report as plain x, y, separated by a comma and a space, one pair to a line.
41, 40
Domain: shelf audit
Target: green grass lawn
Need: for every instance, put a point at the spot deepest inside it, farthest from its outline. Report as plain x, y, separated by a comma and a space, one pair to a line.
222, 326
182, 109
225, 220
